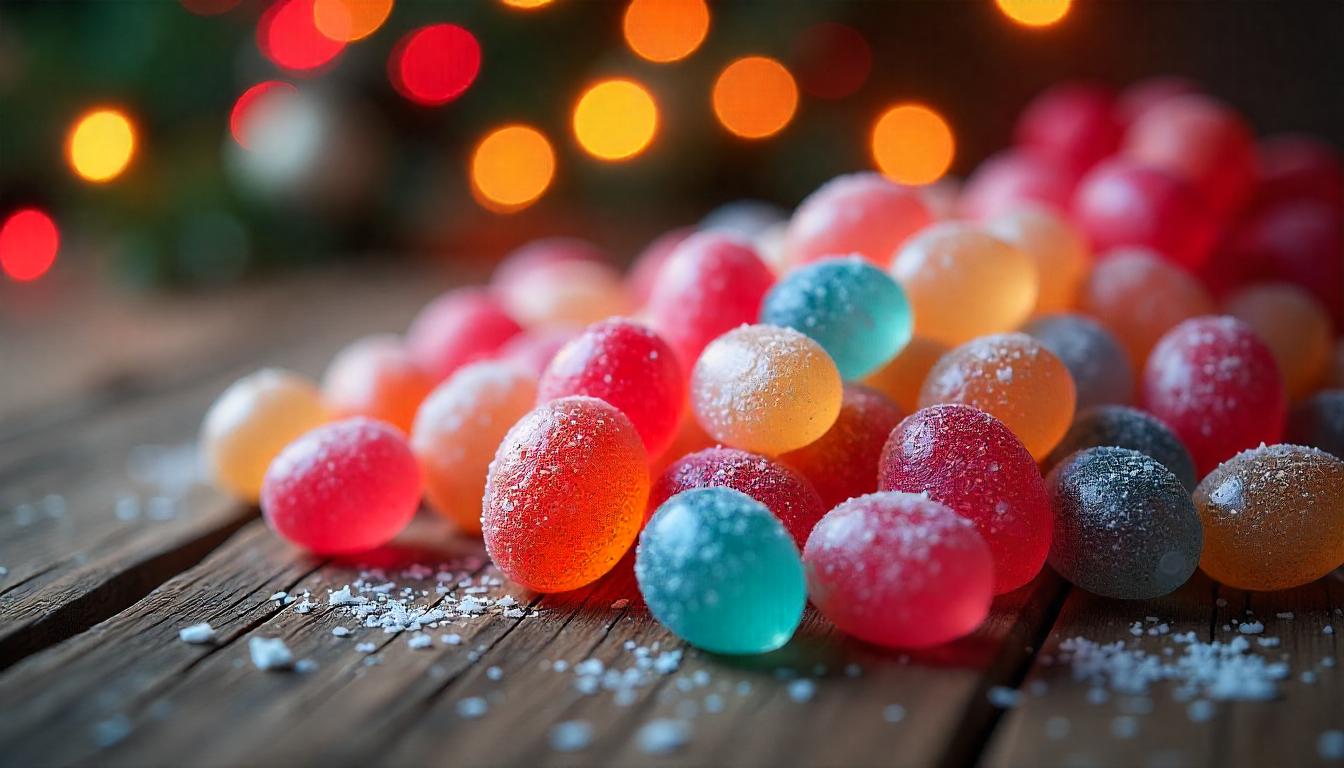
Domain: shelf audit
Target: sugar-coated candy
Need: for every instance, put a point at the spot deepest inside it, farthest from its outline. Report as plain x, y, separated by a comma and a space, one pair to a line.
902, 378
249, 424
1272, 517
532, 350
1201, 140
1123, 427
376, 377
1136, 99
1059, 250
765, 389
1214, 382
842, 463
565, 494
709, 285
787, 494
1099, 366
718, 570
1014, 378
1318, 422
1294, 325
521, 261
861, 213
963, 282
1124, 525
457, 430
643, 274
456, 328
569, 292
1013, 178
1297, 166
899, 570
1138, 297
942, 197
1073, 122
854, 310
345, 487
1122, 203
1298, 241
743, 219
970, 461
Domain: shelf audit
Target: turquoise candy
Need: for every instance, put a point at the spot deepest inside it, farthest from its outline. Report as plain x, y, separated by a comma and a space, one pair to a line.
854, 310
719, 570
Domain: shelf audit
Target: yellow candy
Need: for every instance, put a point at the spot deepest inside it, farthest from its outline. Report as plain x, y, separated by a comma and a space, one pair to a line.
1059, 250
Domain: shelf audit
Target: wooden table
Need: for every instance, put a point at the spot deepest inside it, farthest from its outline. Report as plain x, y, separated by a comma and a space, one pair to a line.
109, 548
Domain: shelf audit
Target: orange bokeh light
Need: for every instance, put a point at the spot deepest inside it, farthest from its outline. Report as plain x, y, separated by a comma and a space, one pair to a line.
349, 20
28, 244
526, 5
287, 34
755, 97
615, 119
665, 30
101, 145
511, 167
1035, 13
912, 144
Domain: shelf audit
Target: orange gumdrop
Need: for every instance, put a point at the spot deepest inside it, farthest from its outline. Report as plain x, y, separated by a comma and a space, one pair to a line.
1061, 253
1295, 327
1139, 296
375, 377
903, 377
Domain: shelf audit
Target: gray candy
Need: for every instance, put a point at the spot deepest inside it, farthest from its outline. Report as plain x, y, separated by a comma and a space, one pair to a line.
1100, 367
1125, 427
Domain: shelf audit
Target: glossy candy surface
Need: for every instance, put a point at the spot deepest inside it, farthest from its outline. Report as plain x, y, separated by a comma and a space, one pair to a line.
1294, 325
1098, 364
720, 571
565, 494
854, 310
1124, 525
1123, 427
971, 462
344, 487
1318, 421
1272, 517
1139, 297
861, 213
457, 328
1121, 203
1061, 253
902, 378
765, 389
375, 377
899, 570
842, 463
1015, 379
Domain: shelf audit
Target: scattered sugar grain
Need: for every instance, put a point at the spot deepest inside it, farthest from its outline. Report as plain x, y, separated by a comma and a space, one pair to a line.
472, 707
269, 653
420, 641
663, 736
197, 634
366, 648
1251, 628
571, 736
340, 631
1330, 745
1004, 697
893, 713
305, 665
1124, 727
802, 690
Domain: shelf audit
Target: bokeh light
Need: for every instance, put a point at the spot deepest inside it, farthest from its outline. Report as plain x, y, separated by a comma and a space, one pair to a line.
1034, 13
755, 97
287, 34
615, 119
28, 244
665, 30
912, 144
526, 5
434, 65
349, 20
833, 60
244, 109
511, 167
101, 145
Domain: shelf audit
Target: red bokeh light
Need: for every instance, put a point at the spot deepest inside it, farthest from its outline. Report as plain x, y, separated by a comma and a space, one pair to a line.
245, 105
28, 243
288, 35
434, 65
833, 60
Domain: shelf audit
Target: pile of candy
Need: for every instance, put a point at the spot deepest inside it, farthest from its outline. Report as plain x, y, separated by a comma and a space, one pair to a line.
895, 402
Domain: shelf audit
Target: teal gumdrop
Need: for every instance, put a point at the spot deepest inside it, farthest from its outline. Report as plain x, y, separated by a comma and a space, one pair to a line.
720, 571
854, 310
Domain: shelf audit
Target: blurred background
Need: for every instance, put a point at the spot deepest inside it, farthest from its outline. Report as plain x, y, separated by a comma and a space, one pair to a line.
162, 144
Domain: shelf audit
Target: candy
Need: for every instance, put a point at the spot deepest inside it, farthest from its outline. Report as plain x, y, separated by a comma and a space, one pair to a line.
1124, 427
541, 253
1217, 385
899, 570
344, 487
1142, 96
689, 438
765, 389
743, 219
842, 463
861, 213
1015, 379
375, 377
249, 424
629, 366
902, 378
857, 313
533, 350
1075, 123
1272, 517
964, 283
971, 462
720, 571
457, 430
1318, 422
787, 494
710, 285
1294, 325
1139, 297
1098, 364
1298, 241
457, 328
1059, 250
1124, 525
643, 274
1296, 166
565, 494
1014, 178
569, 292
1202, 141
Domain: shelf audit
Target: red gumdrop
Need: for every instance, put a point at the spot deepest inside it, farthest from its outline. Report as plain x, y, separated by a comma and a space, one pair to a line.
1013, 177
644, 271
783, 491
842, 463
1075, 123
970, 461
533, 350
1142, 96
1298, 241
1121, 203
861, 213
1295, 166
627, 365
344, 487
710, 285
540, 253
457, 328
1215, 383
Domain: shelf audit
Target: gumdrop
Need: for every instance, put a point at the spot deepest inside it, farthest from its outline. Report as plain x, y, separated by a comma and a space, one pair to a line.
566, 293
1073, 122
1013, 178
375, 377
1318, 422
1122, 203
1098, 364
861, 213
1120, 426
457, 328
533, 350
1201, 140
1294, 325
842, 463
1061, 253
520, 263
1139, 297
903, 377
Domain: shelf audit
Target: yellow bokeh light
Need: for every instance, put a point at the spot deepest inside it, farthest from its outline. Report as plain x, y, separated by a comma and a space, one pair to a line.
755, 97
511, 167
665, 30
526, 5
615, 119
912, 144
1035, 13
350, 20
101, 145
